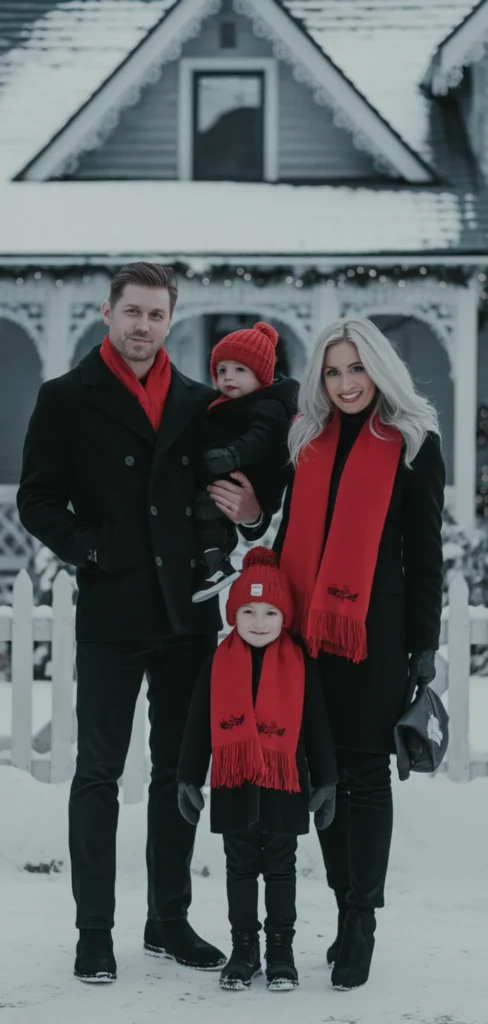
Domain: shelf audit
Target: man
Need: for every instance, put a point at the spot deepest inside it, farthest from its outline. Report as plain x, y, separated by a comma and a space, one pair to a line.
115, 439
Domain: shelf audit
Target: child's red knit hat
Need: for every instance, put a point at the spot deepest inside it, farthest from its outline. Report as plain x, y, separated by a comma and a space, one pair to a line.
260, 580
255, 348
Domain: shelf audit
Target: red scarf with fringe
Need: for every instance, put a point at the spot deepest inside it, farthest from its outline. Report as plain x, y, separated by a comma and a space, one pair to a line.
331, 586
256, 743
153, 396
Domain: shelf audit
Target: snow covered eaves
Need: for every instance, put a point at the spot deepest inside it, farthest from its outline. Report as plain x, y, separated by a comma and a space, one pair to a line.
290, 42
178, 219
463, 46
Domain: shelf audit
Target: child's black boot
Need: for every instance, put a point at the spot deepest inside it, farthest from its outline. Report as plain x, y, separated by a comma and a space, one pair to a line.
244, 963
281, 973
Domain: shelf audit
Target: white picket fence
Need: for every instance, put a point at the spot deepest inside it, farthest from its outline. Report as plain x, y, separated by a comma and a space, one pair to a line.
49, 754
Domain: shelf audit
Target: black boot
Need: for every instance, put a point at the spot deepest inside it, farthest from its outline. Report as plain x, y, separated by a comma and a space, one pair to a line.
217, 572
244, 963
334, 948
95, 961
176, 940
353, 962
281, 973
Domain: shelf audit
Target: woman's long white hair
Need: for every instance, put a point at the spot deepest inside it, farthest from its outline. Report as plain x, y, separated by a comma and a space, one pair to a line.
398, 403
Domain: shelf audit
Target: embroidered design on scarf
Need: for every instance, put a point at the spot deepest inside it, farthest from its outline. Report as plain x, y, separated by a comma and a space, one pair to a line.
270, 729
342, 595
232, 722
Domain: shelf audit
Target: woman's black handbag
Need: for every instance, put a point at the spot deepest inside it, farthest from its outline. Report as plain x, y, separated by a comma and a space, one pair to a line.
422, 734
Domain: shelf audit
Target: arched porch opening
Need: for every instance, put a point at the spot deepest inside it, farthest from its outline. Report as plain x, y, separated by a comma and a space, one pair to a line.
20, 380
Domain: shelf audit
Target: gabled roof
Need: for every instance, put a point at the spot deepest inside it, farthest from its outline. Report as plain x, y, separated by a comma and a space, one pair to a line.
461, 47
178, 19
384, 47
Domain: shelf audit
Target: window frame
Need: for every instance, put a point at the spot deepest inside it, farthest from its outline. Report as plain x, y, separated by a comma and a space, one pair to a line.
189, 68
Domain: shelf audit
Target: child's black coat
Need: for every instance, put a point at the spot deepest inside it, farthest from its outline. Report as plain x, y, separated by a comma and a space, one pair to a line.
250, 806
254, 430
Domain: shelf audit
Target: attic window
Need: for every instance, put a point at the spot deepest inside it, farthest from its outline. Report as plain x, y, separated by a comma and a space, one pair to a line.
228, 39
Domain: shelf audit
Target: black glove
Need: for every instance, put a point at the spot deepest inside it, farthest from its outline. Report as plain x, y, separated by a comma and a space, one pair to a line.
421, 671
323, 801
222, 460
190, 802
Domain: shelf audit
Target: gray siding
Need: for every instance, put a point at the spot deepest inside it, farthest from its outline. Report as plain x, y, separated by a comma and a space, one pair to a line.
145, 142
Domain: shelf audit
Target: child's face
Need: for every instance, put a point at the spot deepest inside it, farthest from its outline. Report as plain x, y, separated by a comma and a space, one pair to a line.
236, 379
259, 623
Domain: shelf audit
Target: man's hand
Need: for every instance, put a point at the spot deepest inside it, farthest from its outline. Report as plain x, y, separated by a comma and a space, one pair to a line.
237, 501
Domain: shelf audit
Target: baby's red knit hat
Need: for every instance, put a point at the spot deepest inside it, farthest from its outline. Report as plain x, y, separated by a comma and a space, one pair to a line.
254, 347
261, 580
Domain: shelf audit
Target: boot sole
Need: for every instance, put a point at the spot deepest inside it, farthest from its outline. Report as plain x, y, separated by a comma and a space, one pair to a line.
159, 951
204, 595
282, 985
237, 985
348, 988
98, 979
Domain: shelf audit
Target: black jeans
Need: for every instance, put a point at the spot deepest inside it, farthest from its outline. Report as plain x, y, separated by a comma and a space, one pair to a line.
109, 678
356, 846
248, 855
213, 528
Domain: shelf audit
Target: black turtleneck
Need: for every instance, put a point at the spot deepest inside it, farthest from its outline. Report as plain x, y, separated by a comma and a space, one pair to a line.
351, 424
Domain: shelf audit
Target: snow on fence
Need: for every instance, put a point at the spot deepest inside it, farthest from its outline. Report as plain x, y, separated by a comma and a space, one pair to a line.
49, 754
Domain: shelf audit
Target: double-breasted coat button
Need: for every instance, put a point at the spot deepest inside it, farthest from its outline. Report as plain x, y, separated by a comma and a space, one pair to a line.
184, 460
188, 510
153, 510
159, 561
193, 563
129, 460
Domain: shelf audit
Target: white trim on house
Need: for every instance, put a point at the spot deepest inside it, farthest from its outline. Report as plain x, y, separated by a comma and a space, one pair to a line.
460, 48
187, 68
163, 44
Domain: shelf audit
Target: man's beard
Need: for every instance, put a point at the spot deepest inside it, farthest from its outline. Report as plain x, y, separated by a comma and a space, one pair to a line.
124, 344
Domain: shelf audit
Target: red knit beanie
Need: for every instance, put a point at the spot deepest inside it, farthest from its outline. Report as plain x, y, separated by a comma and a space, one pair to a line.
254, 348
261, 580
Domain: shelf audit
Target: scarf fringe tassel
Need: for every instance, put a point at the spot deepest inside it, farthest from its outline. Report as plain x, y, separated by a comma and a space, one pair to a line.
236, 763
335, 634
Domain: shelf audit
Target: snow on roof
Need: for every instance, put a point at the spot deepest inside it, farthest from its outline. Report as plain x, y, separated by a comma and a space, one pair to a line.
212, 218
65, 56
384, 47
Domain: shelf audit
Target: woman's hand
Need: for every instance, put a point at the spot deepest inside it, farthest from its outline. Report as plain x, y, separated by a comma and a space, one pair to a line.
237, 501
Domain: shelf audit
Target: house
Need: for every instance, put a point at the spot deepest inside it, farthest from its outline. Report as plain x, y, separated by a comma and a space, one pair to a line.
294, 159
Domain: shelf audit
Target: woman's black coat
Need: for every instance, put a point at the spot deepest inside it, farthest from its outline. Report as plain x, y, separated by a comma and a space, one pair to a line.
366, 700
250, 806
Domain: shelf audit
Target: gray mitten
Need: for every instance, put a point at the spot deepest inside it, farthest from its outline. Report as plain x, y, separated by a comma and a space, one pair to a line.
190, 802
322, 802
222, 460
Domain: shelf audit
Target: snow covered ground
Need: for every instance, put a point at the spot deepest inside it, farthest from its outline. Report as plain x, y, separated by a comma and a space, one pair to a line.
429, 964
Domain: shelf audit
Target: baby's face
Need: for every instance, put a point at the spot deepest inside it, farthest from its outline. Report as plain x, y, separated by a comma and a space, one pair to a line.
235, 379
259, 623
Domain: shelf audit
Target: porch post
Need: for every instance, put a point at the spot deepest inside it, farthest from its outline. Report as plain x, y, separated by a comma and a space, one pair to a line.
465, 400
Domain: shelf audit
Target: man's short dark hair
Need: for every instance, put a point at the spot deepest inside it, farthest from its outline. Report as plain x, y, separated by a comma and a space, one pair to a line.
151, 275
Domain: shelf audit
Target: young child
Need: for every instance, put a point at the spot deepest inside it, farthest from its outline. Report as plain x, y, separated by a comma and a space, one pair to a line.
245, 428
258, 711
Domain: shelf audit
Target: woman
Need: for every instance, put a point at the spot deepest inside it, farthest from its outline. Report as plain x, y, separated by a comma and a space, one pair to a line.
360, 543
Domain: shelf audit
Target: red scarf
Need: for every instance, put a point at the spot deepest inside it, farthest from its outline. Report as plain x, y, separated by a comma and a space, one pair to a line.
153, 396
256, 744
331, 586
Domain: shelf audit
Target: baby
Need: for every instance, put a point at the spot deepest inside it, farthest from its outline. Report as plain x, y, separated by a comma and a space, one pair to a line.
245, 428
